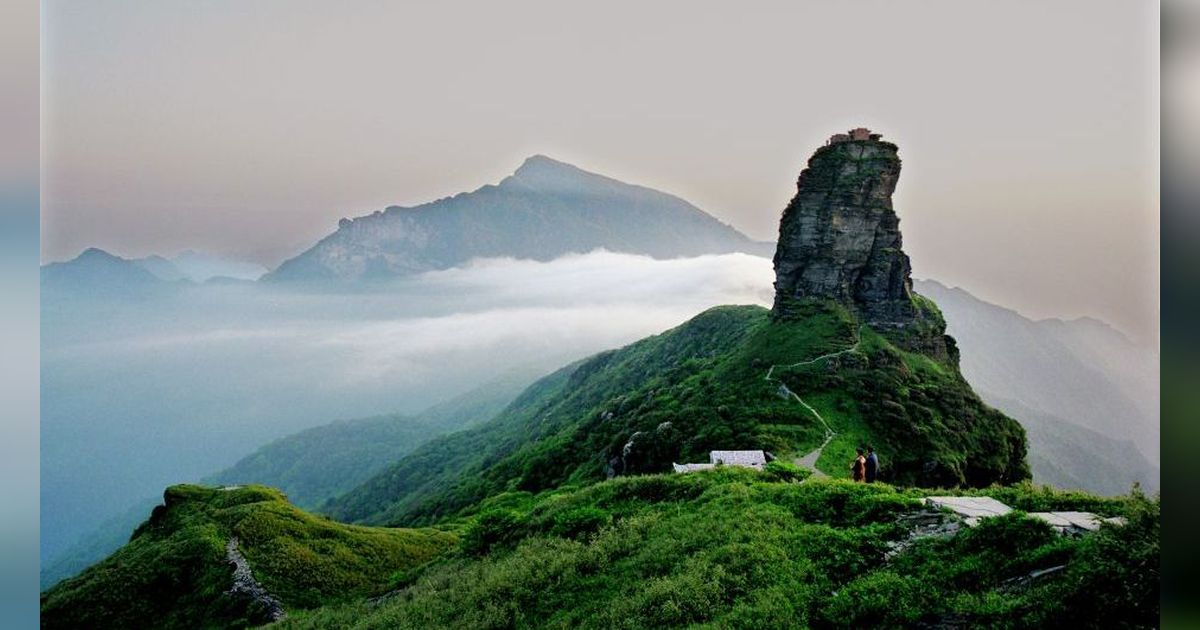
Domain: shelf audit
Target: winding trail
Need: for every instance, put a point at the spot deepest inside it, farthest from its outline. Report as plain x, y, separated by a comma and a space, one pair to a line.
809, 460
244, 584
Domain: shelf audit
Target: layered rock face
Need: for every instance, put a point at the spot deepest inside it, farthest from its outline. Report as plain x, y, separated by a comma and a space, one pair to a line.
839, 239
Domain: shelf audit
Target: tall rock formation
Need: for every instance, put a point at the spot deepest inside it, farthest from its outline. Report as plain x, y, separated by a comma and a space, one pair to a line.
839, 239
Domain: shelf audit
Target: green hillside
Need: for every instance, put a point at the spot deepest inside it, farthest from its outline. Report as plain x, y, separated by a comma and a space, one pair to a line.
174, 572
704, 386
314, 465
740, 549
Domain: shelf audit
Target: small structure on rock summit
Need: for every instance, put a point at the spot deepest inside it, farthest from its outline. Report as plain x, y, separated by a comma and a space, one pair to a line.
858, 133
747, 459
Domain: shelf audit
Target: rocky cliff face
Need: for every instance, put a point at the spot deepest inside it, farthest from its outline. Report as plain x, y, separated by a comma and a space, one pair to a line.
839, 239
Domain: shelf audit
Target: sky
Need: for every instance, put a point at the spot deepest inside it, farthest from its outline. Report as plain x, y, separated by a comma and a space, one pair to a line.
1028, 130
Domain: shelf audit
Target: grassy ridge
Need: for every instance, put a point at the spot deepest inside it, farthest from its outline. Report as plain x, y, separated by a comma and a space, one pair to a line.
173, 573
702, 386
733, 548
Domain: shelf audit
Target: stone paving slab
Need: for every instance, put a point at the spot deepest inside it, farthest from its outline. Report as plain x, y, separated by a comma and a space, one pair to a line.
1076, 520
970, 508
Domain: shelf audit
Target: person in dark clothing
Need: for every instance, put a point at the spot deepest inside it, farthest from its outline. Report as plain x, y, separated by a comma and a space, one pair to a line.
872, 464
858, 468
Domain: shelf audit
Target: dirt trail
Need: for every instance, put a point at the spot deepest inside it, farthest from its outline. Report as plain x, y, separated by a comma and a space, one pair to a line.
809, 460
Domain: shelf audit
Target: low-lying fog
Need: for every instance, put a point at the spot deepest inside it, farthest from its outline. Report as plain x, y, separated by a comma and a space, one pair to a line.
141, 394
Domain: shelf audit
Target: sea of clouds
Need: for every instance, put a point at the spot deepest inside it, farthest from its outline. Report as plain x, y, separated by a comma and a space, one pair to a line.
141, 394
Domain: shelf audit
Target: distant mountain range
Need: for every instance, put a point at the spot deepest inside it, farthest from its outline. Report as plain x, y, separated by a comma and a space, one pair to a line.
95, 271
1083, 390
202, 267
542, 211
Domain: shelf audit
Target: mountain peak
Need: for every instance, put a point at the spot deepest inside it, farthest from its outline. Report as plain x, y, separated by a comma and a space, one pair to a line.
95, 253
539, 162
547, 174
545, 209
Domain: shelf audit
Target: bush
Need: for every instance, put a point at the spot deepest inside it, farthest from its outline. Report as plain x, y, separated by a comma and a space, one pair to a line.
579, 522
882, 598
494, 529
779, 470
728, 549
1112, 580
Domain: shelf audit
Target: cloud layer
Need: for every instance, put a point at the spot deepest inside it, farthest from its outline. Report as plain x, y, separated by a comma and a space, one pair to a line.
138, 396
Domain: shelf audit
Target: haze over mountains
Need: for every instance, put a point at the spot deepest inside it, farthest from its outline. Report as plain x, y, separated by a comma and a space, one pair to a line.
96, 268
408, 307
1086, 393
142, 389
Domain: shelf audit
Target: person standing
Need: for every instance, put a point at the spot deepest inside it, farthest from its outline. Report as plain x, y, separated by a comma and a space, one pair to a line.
871, 464
859, 467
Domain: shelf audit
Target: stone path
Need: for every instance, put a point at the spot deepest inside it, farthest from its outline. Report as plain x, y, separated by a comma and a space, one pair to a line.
973, 509
244, 583
1075, 522
809, 460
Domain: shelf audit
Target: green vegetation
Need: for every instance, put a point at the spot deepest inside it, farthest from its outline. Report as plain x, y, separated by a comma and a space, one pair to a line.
533, 535
703, 386
729, 548
315, 465
173, 573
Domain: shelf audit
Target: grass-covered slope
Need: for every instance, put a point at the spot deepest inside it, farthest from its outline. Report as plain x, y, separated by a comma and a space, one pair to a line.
734, 548
174, 571
704, 386
314, 465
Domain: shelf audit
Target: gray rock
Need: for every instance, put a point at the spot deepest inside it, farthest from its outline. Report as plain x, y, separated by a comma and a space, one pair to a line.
244, 584
839, 239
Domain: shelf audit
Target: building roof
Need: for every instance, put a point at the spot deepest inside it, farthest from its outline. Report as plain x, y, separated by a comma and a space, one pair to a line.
738, 458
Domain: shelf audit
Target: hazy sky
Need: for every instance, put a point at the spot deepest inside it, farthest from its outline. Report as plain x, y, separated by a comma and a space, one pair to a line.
1028, 130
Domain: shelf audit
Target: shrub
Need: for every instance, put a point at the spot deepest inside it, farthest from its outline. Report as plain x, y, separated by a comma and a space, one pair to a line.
494, 529
579, 522
779, 470
882, 598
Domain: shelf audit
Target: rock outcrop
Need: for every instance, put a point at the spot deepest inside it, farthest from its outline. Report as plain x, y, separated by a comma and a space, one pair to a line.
839, 239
